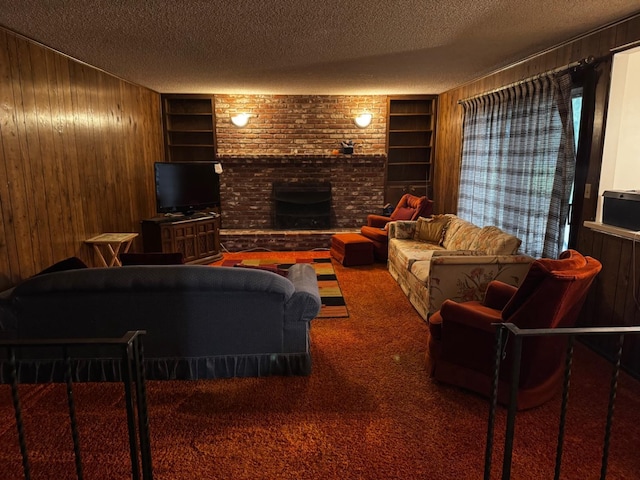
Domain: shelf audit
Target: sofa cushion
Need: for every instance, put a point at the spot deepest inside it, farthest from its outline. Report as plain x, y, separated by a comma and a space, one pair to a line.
402, 229
403, 213
421, 269
460, 235
408, 251
432, 229
493, 241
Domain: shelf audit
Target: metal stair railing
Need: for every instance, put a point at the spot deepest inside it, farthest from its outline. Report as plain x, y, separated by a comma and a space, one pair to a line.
132, 365
518, 335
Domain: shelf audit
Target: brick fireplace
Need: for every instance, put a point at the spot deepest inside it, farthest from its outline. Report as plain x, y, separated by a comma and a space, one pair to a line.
301, 206
292, 139
357, 189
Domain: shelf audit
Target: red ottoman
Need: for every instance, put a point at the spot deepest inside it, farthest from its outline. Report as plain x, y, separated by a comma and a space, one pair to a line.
351, 249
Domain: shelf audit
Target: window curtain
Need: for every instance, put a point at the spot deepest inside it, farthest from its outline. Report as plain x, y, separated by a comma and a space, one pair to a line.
518, 162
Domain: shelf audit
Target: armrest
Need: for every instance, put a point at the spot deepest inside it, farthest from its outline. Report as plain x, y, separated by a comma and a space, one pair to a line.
498, 294
467, 257
402, 229
466, 277
378, 221
468, 335
473, 315
305, 303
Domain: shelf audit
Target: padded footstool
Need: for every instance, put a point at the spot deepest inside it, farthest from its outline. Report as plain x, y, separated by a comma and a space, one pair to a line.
351, 249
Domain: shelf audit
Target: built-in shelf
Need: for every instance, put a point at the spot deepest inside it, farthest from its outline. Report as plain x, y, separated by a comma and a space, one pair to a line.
613, 230
189, 127
410, 135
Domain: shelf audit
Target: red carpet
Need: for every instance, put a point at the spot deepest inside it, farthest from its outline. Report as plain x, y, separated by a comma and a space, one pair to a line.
368, 411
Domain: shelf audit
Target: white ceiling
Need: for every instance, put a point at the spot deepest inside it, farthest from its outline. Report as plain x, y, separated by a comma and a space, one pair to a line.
305, 46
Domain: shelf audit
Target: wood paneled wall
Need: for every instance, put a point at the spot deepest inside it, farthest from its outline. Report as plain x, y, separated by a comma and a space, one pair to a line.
615, 297
449, 125
77, 148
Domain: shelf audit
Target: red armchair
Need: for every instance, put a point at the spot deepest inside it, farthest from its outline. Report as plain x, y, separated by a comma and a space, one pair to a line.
409, 207
462, 339
153, 258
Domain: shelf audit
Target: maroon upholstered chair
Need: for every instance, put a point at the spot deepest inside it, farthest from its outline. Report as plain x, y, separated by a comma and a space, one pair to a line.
153, 258
462, 339
409, 207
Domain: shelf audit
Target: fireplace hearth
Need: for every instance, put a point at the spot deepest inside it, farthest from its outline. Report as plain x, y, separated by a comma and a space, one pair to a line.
301, 206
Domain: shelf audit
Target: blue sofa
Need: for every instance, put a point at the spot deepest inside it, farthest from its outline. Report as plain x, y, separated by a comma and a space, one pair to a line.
201, 322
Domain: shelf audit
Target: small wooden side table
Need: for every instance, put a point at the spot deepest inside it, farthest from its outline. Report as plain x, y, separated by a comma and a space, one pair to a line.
112, 244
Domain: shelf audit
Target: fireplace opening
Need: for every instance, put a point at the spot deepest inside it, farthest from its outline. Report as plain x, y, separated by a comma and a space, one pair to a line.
301, 206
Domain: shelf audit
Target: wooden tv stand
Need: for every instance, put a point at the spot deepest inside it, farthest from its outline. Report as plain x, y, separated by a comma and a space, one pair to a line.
196, 236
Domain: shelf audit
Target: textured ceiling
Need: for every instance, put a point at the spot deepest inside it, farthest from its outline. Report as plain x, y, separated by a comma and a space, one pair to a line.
305, 46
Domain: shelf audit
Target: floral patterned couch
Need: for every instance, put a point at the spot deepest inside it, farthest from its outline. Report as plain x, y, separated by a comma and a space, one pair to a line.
459, 264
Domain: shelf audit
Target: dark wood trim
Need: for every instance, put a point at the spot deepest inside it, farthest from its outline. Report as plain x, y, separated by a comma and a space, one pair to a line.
587, 78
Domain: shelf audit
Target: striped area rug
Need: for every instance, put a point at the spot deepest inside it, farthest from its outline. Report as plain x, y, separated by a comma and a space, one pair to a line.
333, 304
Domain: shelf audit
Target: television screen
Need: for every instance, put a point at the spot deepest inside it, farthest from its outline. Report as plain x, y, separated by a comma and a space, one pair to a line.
186, 187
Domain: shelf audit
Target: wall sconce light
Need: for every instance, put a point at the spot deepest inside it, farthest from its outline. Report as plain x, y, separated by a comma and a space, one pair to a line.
363, 120
240, 120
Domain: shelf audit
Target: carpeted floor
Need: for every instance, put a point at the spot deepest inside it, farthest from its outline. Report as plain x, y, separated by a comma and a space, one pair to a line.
367, 411
333, 304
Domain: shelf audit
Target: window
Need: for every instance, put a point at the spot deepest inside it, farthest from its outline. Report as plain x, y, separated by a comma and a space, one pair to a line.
576, 105
621, 147
518, 162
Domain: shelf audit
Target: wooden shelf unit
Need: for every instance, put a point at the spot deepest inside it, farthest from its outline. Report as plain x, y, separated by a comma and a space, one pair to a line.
189, 127
410, 146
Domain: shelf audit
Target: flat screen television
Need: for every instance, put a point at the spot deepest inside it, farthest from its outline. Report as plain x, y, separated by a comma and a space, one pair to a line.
186, 187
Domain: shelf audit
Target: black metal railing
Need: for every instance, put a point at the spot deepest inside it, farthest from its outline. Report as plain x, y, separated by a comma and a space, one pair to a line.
132, 357
518, 335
